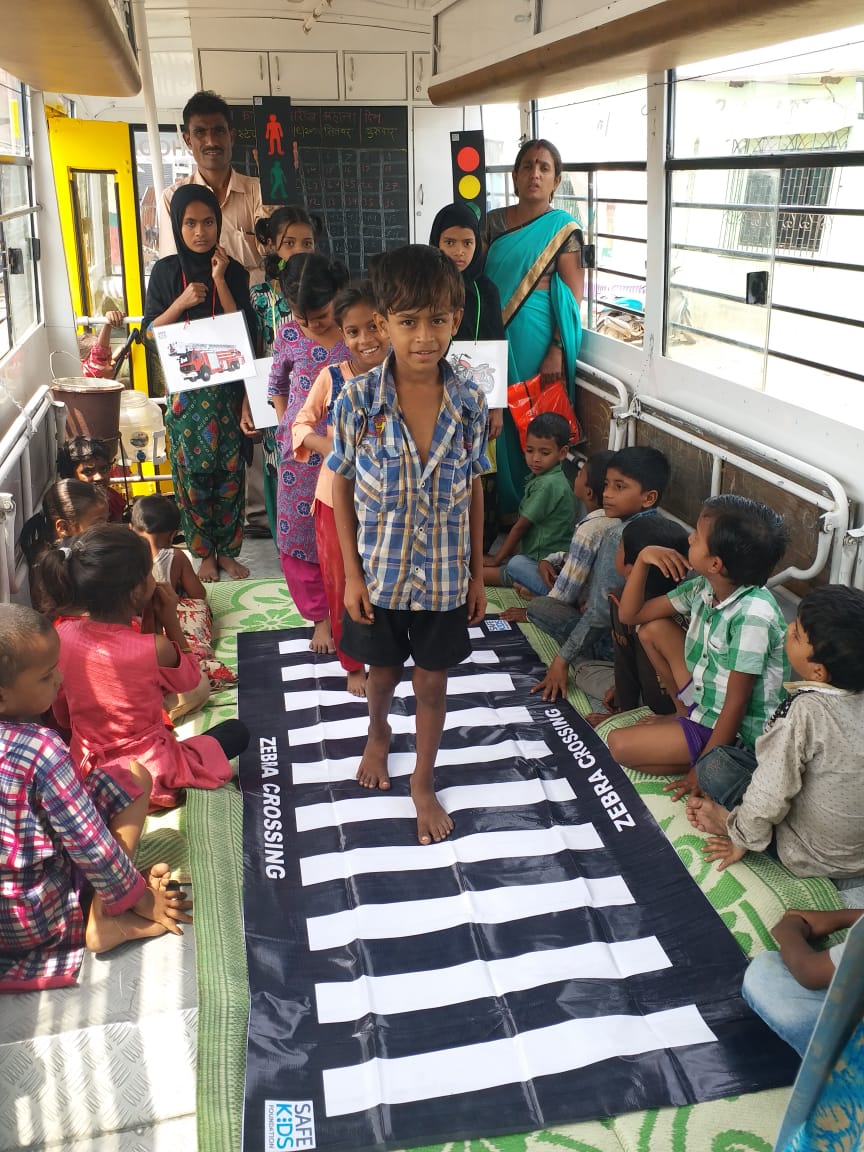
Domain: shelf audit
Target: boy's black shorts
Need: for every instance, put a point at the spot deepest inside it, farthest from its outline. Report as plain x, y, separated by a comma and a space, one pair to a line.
436, 640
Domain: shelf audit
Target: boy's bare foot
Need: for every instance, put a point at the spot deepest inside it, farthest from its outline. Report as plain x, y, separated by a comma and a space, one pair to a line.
106, 932
433, 823
372, 772
515, 615
524, 592
707, 815
357, 683
208, 573
232, 568
322, 638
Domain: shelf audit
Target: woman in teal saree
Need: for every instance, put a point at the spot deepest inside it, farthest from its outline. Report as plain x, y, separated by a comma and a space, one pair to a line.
535, 262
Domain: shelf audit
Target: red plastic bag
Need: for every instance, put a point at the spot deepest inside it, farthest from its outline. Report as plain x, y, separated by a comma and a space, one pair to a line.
529, 398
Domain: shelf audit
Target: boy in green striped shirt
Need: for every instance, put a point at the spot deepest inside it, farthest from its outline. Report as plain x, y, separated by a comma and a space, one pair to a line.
726, 673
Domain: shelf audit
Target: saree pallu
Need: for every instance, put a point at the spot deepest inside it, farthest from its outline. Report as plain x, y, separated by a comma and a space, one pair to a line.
516, 262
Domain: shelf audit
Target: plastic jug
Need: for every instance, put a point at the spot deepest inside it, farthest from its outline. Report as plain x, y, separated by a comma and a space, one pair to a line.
142, 429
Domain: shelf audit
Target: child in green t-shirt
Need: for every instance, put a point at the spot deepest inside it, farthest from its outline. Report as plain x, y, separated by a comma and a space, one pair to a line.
547, 511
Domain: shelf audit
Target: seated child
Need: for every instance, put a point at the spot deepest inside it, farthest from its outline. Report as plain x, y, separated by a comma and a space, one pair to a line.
83, 458
587, 535
727, 671
56, 832
312, 431
787, 988
157, 519
546, 512
96, 352
636, 479
69, 507
798, 794
114, 677
636, 681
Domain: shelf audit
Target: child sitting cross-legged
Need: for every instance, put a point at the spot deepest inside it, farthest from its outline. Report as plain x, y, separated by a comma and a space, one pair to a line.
576, 610
546, 512
114, 677
57, 831
798, 795
727, 671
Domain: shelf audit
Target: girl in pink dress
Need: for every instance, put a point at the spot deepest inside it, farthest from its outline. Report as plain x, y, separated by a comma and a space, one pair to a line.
304, 346
114, 677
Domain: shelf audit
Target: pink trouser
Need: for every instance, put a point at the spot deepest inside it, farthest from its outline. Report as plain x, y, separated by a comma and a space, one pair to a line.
333, 572
306, 587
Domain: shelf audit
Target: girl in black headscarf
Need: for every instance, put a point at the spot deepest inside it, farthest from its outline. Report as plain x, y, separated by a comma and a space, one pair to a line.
456, 231
205, 441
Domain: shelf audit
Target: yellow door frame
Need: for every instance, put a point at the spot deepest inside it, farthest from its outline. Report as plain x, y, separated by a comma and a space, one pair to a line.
99, 147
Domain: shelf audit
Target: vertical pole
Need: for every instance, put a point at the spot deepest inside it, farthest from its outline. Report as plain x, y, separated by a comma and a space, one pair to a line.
151, 115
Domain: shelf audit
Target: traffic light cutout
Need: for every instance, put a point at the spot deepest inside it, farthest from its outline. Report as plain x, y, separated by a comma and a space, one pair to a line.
468, 156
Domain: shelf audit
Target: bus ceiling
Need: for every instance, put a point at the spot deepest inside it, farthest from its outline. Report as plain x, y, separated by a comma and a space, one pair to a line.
597, 47
68, 46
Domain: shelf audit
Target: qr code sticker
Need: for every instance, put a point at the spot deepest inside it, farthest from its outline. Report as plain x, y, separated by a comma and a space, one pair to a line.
498, 626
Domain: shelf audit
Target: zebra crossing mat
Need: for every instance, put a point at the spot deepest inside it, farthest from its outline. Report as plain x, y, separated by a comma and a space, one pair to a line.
551, 961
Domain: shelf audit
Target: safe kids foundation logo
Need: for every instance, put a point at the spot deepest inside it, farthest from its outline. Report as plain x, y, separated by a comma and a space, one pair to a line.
288, 1124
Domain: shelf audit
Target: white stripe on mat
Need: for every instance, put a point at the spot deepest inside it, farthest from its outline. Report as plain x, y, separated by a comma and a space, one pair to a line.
456, 686
359, 725
463, 850
513, 1060
301, 643
334, 668
489, 906
402, 763
505, 794
418, 991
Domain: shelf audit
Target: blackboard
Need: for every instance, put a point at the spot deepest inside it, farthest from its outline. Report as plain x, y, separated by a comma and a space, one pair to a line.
353, 173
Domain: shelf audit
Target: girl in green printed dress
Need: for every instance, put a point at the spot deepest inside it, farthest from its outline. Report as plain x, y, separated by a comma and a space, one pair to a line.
206, 443
288, 231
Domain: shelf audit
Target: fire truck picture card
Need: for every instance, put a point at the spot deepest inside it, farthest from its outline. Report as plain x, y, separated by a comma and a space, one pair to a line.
201, 353
263, 412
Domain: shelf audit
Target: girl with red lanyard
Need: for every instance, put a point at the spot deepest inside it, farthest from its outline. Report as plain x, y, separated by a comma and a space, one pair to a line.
206, 445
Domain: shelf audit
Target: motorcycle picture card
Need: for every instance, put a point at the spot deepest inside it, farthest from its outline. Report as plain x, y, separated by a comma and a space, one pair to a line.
201, 353
485, 361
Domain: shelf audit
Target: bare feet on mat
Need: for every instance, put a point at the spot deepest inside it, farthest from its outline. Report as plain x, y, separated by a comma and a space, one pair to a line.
372, 772
515, 615
524, 592
208, 573
357, 682
707, 815
232, 568
433, 823
106, 932
322, 638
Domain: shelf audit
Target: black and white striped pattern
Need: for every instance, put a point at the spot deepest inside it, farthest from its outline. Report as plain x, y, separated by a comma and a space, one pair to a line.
550, 961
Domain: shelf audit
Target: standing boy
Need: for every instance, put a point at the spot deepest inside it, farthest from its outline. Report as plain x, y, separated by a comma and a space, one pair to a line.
409, 448
547, 509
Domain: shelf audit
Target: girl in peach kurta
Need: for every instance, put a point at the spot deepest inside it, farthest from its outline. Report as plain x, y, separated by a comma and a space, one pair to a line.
114, 677
353, 311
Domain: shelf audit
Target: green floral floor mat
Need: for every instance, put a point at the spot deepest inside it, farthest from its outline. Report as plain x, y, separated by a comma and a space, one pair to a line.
749, 896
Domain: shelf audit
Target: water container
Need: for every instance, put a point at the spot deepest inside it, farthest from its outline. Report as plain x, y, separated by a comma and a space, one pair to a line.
141, 429
92, 406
